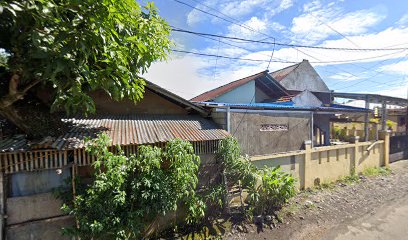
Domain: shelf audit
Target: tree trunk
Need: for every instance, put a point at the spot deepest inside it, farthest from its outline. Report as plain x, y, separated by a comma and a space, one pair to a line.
11, 114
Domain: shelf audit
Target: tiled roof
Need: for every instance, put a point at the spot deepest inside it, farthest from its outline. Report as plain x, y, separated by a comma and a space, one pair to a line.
285, 98
129, 130
209, 95
282, 73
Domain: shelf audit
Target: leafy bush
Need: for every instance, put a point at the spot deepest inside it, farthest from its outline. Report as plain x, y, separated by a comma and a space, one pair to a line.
236, 167
268, 188
275, 189
129, 193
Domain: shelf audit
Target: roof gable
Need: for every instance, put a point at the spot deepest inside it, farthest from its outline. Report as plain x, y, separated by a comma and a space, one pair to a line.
216, 92
300, 77
306, 98
280, 74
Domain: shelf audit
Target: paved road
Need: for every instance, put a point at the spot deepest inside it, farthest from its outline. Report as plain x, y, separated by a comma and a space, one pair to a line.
390, 222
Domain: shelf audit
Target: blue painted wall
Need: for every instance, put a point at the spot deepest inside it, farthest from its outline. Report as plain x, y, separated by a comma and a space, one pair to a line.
241, 94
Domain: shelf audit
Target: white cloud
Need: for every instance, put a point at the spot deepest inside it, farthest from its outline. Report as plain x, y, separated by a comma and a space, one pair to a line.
254, 26
345, 77
318, 22
404, 20
397, 68
237, 9
189, 76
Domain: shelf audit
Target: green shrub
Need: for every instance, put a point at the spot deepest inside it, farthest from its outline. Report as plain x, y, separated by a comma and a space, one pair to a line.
268, 188
275, 189
129, 193
374, 171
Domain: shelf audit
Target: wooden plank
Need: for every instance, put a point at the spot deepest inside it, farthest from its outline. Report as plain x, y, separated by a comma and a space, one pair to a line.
84, 160
59, 159
15, 163
65, 158
46, 164
31, 162
21, 159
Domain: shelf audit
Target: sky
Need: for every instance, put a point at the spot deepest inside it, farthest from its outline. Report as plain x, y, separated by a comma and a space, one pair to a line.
353, 24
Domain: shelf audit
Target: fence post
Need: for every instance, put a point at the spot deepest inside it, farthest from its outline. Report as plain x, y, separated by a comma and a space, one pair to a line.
385, 135
355, 140
307, 179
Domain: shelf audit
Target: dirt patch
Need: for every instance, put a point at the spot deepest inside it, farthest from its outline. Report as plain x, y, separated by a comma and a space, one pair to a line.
311, 214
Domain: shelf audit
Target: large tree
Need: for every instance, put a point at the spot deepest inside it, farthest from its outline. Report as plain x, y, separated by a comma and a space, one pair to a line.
74, 47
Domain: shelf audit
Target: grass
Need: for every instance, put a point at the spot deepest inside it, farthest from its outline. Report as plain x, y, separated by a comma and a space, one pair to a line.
374, 171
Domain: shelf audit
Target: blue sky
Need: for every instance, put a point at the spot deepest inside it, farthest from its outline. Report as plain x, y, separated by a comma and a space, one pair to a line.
341, 23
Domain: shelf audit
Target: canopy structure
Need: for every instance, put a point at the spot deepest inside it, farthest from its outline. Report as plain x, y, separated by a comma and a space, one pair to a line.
378, 99
373, 98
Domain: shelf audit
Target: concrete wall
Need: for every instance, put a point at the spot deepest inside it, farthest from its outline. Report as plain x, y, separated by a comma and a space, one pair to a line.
307, 98
326, 164
35, 216
49, 229
304, 77
246, 127
242, 94
150, 104
29, 208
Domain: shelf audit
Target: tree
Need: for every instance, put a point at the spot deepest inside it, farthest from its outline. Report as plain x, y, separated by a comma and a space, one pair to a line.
76, 46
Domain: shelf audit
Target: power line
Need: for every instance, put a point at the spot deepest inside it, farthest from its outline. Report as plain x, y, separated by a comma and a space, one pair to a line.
285, 44
257, 60
368, 79
233, 21
291, 45
226, 57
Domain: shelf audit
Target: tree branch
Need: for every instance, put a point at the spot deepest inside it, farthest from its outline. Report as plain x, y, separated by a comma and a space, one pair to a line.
14, 95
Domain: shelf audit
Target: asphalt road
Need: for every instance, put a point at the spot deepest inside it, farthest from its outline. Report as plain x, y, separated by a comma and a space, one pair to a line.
390, 222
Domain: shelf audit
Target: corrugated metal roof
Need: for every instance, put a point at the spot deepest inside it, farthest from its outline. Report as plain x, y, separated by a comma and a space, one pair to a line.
226, 88
285, 106
127, 130
282, 73
17, 143
141, 129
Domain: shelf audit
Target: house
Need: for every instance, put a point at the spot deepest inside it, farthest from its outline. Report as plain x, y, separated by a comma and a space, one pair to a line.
277, 111
31, 170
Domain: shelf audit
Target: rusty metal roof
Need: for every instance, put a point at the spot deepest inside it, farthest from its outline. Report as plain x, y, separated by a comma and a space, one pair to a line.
140, 129
125, 130
282, 73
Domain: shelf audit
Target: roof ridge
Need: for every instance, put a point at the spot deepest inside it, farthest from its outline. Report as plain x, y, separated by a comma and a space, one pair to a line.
286, 67
230, 83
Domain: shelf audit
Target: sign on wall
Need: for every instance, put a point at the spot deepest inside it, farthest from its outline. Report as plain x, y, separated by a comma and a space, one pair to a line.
274, 127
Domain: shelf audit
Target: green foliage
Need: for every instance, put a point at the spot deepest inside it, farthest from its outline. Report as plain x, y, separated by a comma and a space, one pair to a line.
129, 193
275, 189
237, 168
340, 133
350, 179
374, 171
215, 195
389, 123
268, 188
78, 46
